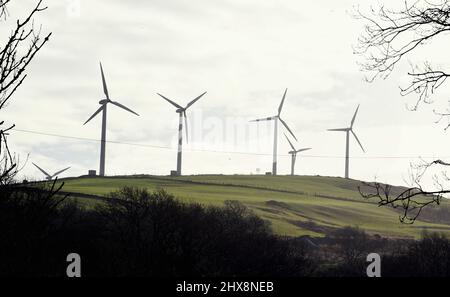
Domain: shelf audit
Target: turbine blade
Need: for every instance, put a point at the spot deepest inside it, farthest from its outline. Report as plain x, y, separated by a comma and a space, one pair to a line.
354, 117
340, 129
105, 88
292, 146
264, 119
195, 100
356, 137
282, 102
123, 107
170, 101
42, 170
59, 172
303, 149
287, 127
186, 126
95, 113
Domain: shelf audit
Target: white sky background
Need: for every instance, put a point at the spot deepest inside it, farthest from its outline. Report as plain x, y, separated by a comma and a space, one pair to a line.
244, 53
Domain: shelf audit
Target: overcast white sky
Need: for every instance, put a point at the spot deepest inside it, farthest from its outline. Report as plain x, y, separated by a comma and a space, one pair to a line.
244, 53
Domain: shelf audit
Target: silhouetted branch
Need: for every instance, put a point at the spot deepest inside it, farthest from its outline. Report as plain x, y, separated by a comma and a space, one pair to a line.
49, 193
392, 35
424, 83
7, 161
412, 200
3, 10
14, 59
19, 50
443, 115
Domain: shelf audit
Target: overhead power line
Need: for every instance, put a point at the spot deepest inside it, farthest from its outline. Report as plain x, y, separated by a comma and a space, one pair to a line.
220, 151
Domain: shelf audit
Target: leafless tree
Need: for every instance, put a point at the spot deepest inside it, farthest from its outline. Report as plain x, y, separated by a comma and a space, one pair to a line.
411, 200
390, 36
16, 54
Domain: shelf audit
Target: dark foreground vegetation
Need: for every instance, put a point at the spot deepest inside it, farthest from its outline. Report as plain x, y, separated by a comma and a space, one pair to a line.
137, 233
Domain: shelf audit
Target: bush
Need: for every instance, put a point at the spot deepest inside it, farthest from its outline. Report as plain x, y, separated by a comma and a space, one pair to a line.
351, 245
428, 257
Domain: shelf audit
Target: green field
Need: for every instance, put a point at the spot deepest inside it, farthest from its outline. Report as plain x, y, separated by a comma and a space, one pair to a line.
295, 205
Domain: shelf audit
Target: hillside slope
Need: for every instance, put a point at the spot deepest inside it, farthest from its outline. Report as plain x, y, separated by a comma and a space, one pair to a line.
295, 205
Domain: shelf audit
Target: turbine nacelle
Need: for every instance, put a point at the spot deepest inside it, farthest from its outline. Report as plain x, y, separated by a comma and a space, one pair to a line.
340, 129
278, 117
182, 110
300, 150
103, 102
294, 150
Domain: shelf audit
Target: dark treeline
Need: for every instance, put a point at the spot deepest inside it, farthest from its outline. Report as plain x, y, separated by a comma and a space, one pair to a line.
137, 233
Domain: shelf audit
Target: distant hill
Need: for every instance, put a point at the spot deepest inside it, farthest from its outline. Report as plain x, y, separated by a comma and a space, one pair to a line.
295, 205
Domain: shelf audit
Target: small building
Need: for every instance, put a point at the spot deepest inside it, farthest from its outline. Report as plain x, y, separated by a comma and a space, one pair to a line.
92, 173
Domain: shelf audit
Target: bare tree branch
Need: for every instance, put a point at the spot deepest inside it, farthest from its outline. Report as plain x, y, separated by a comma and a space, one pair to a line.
16, 54
391, 35
3, 9
410, 200
12, 63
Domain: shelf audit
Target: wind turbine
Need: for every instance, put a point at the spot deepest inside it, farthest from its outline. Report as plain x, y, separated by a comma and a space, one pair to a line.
103, 107
275, 141
347, 149
294, 154
182, 114
48, 176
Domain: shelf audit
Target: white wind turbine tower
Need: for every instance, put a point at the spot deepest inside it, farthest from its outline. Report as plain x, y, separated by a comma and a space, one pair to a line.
293, 154
48, 176
103, 107
347, 149
182, 114
275, 141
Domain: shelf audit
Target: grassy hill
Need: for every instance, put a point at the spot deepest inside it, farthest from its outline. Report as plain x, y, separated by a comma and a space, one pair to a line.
295, 205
